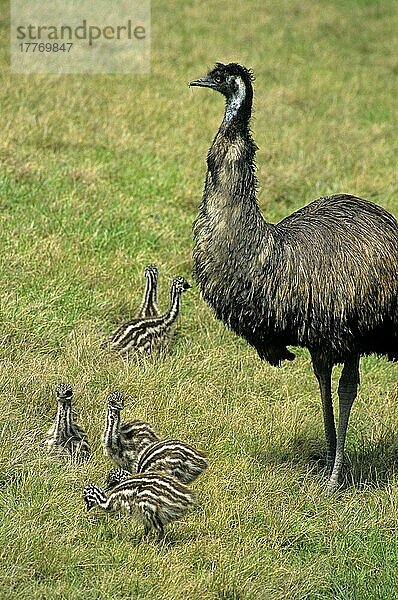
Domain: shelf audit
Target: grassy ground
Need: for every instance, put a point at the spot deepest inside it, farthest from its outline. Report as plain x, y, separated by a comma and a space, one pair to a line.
101, 175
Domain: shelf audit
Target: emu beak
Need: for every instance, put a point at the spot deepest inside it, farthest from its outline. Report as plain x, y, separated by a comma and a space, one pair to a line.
203, 82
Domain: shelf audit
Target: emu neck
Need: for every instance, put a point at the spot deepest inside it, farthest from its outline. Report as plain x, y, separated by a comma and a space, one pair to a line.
229, 198
59, 421
174, 308
111, 434
239, 107
231, 236
150, 296
154, 291
67, 414
147, 296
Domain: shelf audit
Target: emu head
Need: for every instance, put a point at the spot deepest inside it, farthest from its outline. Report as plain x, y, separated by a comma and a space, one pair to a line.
116, 401
151, 271
235, 83
64, 393
180, 285
93, 495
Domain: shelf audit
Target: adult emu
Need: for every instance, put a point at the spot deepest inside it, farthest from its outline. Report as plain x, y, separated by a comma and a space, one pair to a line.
325, 278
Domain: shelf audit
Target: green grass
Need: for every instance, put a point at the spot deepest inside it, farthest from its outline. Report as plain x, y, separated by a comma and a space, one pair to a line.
101, 175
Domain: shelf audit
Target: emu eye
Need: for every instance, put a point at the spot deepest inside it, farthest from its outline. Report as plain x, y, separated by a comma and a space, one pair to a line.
218, 79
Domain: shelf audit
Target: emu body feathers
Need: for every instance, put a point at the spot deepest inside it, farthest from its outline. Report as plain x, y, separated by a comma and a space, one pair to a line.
325, 278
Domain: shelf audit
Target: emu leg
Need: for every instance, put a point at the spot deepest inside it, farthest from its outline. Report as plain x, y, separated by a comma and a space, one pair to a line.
348, 386
153, 522
158, 525
323, 373
147, 529
160, 532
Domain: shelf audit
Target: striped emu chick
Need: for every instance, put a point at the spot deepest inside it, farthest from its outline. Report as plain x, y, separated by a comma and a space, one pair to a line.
148, 335
176, 458
154, 499
65, 433
123, 443
149, 305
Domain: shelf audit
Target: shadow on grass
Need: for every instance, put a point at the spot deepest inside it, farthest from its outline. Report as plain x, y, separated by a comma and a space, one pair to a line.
370, 463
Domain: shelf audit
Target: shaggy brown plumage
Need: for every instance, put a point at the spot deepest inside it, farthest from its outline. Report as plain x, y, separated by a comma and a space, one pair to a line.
325, 277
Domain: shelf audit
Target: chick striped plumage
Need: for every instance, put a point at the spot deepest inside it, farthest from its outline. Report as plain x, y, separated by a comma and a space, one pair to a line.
174, 457
147, 335
65, 433
155, 499
123, 443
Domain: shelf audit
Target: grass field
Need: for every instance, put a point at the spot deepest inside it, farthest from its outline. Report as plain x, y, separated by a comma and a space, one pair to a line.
101, 175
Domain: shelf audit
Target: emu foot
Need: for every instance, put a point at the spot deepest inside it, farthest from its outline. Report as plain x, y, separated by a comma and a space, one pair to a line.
333, 478
145, 534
